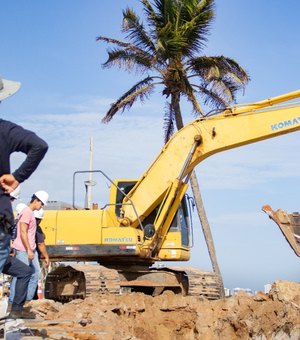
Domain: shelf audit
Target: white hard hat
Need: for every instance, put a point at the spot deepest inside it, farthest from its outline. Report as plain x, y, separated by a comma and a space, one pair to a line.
8, 88
16, 193
39, 213
42, 196
20, 207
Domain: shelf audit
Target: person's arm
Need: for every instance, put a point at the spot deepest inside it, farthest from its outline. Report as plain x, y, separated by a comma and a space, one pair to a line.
44, 253
25, 241
25, 141
40, 241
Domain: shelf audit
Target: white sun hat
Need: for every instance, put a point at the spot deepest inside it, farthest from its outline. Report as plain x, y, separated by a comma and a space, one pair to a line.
8, 88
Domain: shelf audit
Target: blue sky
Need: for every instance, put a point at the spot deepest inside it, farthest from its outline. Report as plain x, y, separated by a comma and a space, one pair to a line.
51, 48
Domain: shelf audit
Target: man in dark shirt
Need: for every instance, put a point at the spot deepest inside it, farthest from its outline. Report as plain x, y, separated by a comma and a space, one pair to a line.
14, 138
40, 237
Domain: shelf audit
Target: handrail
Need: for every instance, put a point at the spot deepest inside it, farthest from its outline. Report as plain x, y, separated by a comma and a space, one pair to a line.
101, 172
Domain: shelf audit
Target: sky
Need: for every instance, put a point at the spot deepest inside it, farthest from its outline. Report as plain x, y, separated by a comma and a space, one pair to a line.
51, 48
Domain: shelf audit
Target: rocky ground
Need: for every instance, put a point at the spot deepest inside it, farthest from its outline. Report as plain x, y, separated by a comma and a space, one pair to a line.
168, 316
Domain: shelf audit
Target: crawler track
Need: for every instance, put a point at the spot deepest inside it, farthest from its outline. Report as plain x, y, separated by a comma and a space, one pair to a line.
80, 280
203, 283
100, 279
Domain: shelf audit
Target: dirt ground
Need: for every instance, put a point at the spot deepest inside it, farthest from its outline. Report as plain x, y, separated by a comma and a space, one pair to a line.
137, 316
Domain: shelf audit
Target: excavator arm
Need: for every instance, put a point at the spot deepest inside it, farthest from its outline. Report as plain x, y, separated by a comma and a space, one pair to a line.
200, 139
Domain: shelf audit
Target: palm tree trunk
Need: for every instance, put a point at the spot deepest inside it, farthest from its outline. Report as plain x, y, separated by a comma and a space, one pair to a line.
175, 100
206, 229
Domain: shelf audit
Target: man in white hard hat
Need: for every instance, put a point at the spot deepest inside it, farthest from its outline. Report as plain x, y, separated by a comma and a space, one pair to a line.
25, 246
13, 138
41, 246
19, 208
18, 270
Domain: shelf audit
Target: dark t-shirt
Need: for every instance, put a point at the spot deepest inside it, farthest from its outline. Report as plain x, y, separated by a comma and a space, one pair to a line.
39, 236
13, 138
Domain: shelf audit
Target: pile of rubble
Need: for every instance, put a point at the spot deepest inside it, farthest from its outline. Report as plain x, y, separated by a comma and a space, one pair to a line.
137, 316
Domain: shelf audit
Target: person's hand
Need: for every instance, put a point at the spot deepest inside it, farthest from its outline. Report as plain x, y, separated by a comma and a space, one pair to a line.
8, 183
30, 254
12, 252
46, 261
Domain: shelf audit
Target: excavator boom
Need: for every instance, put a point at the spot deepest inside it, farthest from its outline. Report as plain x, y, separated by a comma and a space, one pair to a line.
232, 128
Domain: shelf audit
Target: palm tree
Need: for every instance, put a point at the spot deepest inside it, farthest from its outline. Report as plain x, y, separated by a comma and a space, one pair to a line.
168, 51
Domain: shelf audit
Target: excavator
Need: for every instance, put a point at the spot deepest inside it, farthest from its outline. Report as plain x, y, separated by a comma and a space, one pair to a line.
115, 248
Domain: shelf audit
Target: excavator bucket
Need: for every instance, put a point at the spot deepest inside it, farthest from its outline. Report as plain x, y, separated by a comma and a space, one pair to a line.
289, 224
65, 284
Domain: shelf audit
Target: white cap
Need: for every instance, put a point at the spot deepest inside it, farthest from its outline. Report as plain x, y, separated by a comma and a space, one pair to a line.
16, 193
20, 207
39, 213
42, 196
8, 88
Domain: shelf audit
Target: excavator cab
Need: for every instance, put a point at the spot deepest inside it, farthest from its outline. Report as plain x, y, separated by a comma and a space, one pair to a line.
288, 223
181, 223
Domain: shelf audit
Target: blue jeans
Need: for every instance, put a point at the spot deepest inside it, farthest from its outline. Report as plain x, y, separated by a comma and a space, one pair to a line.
6, 222
4, 248
33, 282
22, 273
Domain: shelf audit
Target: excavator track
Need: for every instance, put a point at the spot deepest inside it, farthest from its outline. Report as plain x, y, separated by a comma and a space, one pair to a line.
78, 281
81, 280
99, 279
202, 283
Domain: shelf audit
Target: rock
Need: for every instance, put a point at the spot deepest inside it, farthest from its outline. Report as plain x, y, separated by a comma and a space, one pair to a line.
286, 291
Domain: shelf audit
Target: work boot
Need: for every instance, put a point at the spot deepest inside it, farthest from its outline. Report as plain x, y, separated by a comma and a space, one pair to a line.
20, 314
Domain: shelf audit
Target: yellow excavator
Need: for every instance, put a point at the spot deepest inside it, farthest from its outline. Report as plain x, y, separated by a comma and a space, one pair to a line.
114, 248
